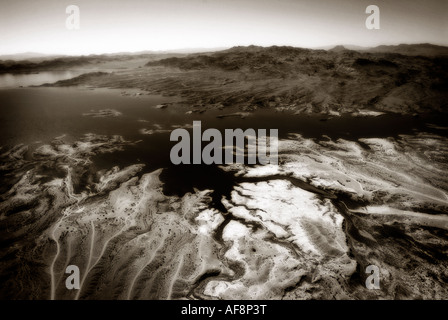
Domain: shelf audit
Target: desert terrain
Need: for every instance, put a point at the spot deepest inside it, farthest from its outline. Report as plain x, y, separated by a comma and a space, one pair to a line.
338, 200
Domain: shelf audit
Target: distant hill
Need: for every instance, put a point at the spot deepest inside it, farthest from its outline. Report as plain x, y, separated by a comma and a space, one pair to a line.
308, 80
338, 49
274, 60
228, 59
34, 56
39, 57
407, 79
69, 62
422, 49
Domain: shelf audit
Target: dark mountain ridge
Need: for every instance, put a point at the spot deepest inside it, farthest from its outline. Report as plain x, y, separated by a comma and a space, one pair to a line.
296, 79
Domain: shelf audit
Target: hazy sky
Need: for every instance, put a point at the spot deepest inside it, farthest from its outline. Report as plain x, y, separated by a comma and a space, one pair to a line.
135, 25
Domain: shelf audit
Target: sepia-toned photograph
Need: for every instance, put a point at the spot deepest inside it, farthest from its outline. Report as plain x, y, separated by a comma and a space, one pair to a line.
237, 150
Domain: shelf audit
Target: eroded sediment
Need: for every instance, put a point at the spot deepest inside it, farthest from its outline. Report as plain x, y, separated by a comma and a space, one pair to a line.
306, 228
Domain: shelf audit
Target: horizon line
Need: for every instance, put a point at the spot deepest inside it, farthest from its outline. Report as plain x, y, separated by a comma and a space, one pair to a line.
213, 49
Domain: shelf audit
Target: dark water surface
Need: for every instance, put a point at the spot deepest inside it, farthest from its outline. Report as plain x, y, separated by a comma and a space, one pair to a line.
33, 79
35, 116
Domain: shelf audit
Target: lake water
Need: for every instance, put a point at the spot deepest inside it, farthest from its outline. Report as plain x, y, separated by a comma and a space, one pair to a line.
35, 116
34, 79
